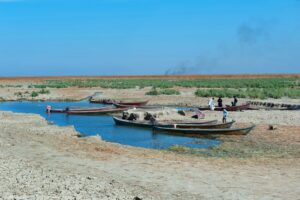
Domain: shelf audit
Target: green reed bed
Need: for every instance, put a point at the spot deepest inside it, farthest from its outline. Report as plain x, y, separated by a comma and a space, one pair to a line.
247, 87
261, 93
169, 83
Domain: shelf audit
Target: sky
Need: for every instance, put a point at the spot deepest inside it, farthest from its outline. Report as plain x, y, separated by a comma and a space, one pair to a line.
144, 37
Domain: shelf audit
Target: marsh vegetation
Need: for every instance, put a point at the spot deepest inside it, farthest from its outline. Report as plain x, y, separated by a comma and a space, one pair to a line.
241, 87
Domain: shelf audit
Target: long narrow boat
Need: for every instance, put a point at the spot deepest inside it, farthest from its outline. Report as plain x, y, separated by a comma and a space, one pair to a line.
201, 131
229, 108
122, 103
133, 103
118, 105
76, 109
56, 110
202, 126
148, 124
104, 101
101, 111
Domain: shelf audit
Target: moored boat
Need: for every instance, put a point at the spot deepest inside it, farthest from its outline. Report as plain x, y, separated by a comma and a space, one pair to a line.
104, 101
118, 102
102, 111
204, 131
118, 105
202, 126
132, 103
75, 109
229, 108
149, 124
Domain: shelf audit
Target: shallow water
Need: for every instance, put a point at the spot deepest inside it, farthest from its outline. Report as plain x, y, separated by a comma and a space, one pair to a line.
105, 126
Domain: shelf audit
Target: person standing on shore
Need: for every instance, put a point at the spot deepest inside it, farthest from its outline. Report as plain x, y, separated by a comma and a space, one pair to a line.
225, 115
211, 103
220, 102
48, 109
235, 100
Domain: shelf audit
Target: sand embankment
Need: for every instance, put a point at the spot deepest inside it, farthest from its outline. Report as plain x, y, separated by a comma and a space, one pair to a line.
42, 161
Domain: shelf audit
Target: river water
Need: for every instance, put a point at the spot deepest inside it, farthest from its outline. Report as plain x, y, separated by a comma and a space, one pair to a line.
105, 127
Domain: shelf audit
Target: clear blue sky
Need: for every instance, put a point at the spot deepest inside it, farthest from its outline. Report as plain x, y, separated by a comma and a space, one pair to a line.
129, 37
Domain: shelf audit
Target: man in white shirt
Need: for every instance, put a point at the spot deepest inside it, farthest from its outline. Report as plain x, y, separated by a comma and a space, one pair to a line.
211, 103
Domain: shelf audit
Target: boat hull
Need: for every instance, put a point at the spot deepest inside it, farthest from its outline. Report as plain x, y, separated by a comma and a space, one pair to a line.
148, 124
131, 104
117, 105
56, 111
120, 103
109, 102
203, 126
95, 112
199, 132
77, 109
229, 108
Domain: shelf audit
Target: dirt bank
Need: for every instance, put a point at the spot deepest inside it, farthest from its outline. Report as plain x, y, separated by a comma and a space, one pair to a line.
44, 161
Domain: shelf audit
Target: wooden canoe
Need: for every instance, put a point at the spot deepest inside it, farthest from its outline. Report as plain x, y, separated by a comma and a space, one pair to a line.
229, 108
76, 109
202, 126
101, 111
133, 103
104, 101
122, 103
201, 131
148, 124
117, 105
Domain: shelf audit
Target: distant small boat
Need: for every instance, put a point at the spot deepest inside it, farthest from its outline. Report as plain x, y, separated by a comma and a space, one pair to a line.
148, 124
121, 103
118, 105
229, 108
104, 101
102, 111
204, 131
133, 103
74, 109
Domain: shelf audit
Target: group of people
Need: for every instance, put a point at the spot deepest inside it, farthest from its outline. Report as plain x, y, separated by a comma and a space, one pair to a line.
211, 102
211, 105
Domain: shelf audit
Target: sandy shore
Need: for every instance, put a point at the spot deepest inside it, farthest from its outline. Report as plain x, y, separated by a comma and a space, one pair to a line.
42, 161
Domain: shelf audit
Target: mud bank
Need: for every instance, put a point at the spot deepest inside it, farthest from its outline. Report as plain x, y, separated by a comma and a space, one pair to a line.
39, 161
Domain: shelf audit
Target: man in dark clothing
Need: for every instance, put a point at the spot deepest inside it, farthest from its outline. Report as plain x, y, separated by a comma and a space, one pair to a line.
234, 103
220, 102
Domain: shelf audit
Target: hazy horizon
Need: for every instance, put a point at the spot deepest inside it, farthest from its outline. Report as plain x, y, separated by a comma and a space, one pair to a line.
148, 37
161, 74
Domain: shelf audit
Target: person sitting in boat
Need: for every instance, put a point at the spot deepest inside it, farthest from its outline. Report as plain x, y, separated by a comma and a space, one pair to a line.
152, 120
235, 100
211, 103
225, 115
125, 115
132, 117
220, 102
